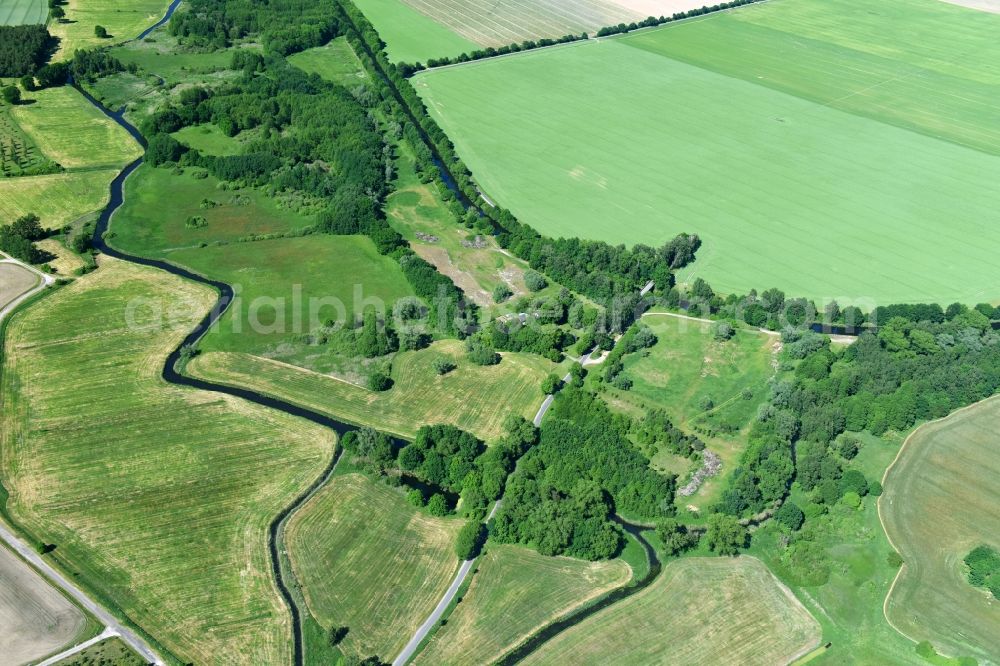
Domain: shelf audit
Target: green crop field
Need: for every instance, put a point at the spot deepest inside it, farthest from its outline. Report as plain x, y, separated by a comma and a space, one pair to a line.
335, 62
699, 611
166, 517
123, 21
36, 620
814, 145
472, 397
514, 592
940, 502
23, 12
286, 275
158, 203
685, 367
410, 35
368, 560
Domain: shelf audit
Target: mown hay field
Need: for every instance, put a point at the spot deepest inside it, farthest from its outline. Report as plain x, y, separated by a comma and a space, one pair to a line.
515, 592
814, 145
471, 397
941, 500
699, 611
66, 129
368, 560
335, 62
157, 498
123, 21
35, 619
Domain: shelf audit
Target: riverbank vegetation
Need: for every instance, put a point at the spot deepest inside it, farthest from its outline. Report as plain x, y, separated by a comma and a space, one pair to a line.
114, 498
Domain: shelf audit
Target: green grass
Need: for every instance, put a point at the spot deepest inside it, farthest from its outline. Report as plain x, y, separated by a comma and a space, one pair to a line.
687, 365
846, 581
813, 145
472, 397
368, 560
335, 62
284, 275
699, 611
158, 203
157, 498
514, 592
23, 12
940, 502
123, 21
209, 140
111, 652
411, 36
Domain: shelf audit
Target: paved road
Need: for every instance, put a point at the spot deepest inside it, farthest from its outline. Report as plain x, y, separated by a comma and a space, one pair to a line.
60, 581
79, 647
46, 281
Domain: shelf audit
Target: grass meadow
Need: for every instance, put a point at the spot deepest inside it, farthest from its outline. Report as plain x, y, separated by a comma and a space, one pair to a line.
346, 268
514, 592
699, 611
471, 397
123, 21
158, 203
368, 560
941, 500
335, 61
23, 12
156, 498
813, 145
36, 620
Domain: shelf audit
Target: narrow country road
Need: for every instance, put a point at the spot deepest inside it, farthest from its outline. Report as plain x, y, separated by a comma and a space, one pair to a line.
130, 637
46, 280
463, 571
79, 647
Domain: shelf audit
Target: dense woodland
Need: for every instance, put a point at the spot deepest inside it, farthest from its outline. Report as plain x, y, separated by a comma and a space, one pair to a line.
24, 49
567, 489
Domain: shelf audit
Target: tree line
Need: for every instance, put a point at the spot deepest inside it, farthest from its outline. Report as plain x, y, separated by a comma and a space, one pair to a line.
407, 69
24, 49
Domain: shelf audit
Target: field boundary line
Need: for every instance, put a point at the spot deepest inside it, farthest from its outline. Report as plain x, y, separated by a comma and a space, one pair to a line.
881, 518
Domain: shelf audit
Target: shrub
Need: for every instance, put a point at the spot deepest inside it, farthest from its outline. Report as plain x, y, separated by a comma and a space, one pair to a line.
470, 540
415, 497
501, 293
535, 281
437, 505
443, 365
379, 381
722, 331
551, 384
790, 515
851, 499
101, 32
